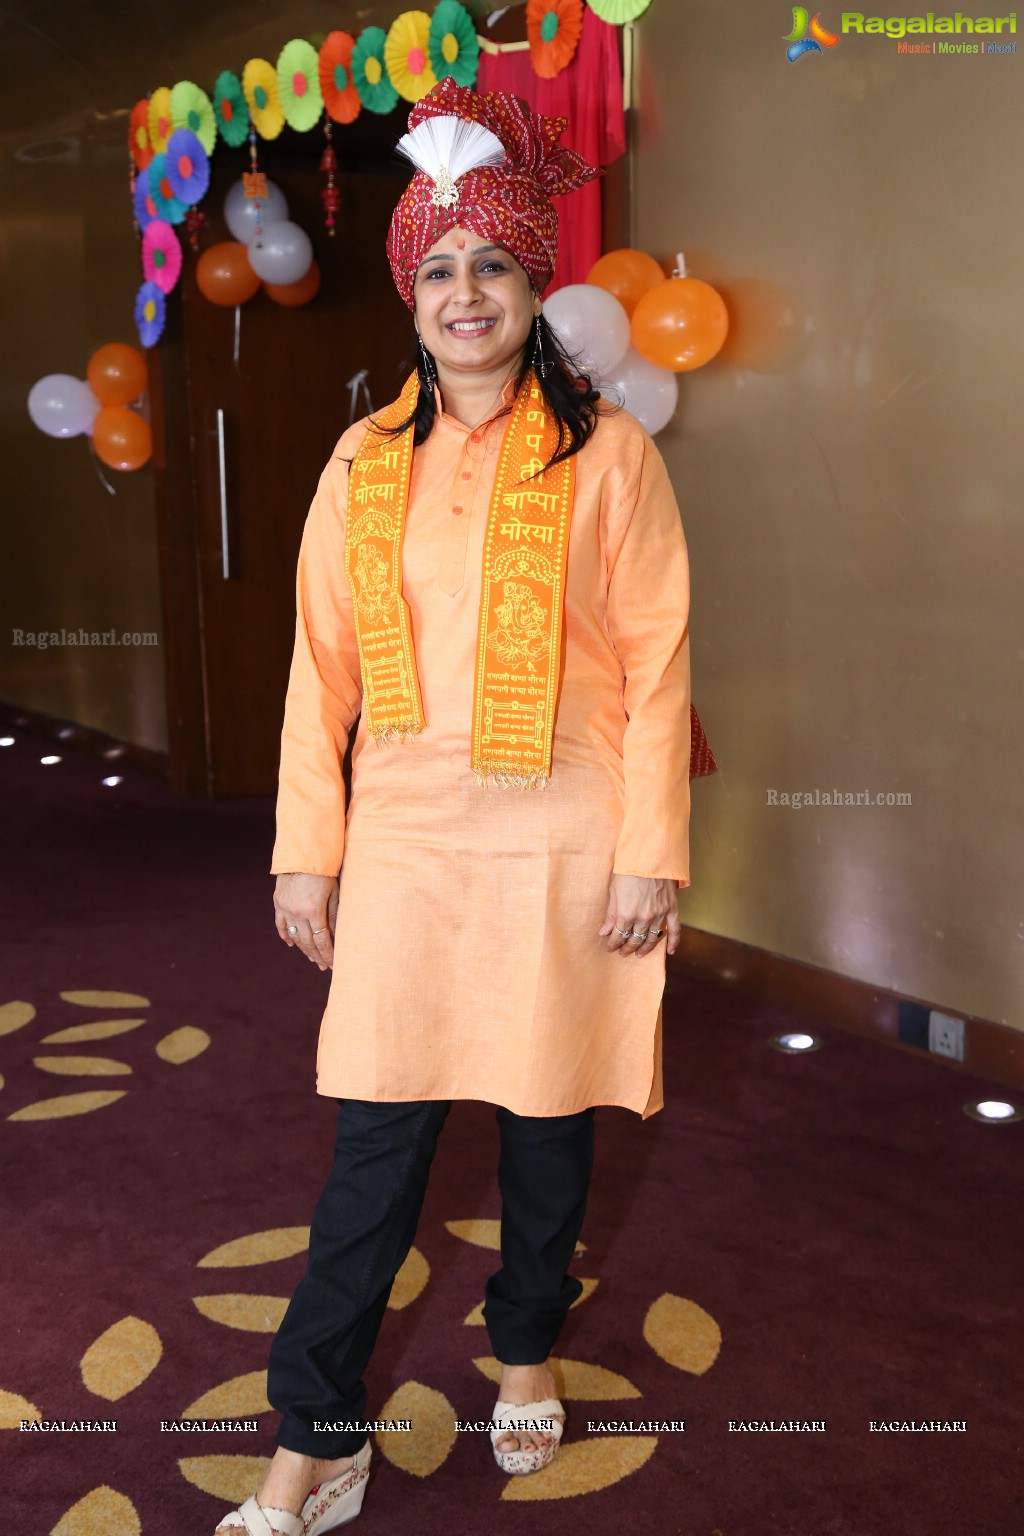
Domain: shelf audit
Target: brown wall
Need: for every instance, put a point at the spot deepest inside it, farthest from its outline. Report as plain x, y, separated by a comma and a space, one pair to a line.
853, 508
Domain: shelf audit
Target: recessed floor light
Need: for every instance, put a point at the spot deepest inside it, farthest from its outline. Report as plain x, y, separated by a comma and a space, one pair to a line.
112, 779
993, 1111
796, 1043
6, 741
51, 758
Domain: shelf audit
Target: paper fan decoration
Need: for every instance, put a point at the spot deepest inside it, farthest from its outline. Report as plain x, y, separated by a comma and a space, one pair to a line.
161, 125
138, 135
161, 192
452, 43
298, 84
619, 11
191, 108
259, 82
230, 109
406, 54
150, 314
142, 197
337, 86
161, 255
188, 169
553, 28
369, 74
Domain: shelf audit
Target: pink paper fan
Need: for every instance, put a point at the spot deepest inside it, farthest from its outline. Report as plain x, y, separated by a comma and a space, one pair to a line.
161, 255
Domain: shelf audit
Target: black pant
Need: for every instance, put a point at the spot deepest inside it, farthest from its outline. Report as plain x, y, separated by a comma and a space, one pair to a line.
363, 1227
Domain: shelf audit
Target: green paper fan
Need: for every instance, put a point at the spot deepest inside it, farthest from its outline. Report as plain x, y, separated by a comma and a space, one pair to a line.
618, 11
231, 109
191, 108
369, 72
452, 43
298, 84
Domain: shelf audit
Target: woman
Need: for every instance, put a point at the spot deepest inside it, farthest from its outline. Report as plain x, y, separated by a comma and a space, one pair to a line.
493, 578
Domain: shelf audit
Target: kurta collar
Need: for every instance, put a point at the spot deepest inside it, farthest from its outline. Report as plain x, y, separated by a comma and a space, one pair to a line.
508, 396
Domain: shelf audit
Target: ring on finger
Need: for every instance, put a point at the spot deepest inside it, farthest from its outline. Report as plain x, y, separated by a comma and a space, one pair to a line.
292, 928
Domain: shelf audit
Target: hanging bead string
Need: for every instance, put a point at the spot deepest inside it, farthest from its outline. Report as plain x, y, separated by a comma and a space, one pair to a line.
255, 183
330, 194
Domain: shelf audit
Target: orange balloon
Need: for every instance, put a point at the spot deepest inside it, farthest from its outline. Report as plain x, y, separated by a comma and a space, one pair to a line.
681, 324
117, 373
626, 274
224, 274
121, 437
293, 294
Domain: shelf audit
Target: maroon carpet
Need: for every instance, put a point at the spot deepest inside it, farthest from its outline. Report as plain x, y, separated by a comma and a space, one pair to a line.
845, 1243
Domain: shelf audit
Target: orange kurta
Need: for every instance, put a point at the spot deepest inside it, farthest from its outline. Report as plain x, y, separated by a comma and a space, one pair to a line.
467, 958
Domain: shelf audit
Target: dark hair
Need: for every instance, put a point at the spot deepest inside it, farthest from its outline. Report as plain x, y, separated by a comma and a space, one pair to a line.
569, 393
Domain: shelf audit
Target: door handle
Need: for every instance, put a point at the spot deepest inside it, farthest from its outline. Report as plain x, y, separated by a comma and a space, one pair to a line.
225, 551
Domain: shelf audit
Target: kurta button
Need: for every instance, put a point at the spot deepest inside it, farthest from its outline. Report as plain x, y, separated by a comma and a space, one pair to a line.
456, 510
466, 475
475, 438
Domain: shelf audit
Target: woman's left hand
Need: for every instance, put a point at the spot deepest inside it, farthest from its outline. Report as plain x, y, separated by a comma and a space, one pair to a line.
638, 906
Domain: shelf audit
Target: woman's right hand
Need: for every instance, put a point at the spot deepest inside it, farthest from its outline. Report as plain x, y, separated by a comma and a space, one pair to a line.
308, 903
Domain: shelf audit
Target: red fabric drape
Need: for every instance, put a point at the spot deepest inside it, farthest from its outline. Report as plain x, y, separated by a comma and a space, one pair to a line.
589, 93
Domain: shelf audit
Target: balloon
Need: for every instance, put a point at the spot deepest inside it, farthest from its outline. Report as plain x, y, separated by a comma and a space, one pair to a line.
651, 393
62, 406
293, 294
240, 211
681, 324
282, 254
627, 275
591, 324
224, 274
117, 373
122, 438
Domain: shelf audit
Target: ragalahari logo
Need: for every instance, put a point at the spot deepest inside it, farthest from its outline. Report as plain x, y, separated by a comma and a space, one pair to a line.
800, 43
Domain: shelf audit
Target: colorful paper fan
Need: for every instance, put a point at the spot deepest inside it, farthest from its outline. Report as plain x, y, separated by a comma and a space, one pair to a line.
336, 84
150, 314
138, 135
145, 208
162, 193
230, 109
191, 108
188, 169
161, 125
298, 84
407, 56
553, 28
369, 72
618, 11
259, 82
161, 255
452, 43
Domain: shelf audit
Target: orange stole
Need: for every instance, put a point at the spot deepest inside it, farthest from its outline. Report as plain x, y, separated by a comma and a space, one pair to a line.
519, 639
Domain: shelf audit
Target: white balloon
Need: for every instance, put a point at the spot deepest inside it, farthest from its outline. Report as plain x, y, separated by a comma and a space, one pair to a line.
282, 254
651, 393
240, 211
62, 406
591, 324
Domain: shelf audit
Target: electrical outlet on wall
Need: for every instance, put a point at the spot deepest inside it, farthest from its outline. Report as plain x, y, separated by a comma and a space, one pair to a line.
946, 1035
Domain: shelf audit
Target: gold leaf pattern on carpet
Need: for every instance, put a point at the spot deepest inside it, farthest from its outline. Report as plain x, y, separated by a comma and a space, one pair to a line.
82, 1066
68, 1104
121, 1358
476, 1317
92, 999
242, 1397
15, 1016
254, 1314
103, 1029
14, 1408
485, 1233
182, 1044
257, 1248
682, 1333
103, 1510
231, 1478
421, 1449
574, 1379
584, 1466
409, 1281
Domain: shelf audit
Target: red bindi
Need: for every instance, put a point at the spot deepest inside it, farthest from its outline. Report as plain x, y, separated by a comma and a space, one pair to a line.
461, 244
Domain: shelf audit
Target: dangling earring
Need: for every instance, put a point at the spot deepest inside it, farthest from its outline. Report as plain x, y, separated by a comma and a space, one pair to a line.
428, 361
539, 364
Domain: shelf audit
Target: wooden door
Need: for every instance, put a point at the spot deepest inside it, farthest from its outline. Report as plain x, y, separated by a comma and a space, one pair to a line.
229, 637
